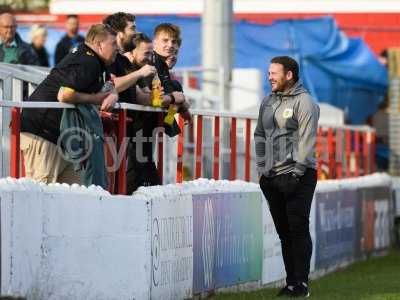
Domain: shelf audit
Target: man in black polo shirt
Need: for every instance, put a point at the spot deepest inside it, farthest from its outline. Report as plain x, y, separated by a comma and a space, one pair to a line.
77, 79
125, 79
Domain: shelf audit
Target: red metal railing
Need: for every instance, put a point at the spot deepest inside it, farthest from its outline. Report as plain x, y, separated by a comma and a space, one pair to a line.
179, 166
216, 148
247, 151
199, 144
121, 144
15, 153
341, 152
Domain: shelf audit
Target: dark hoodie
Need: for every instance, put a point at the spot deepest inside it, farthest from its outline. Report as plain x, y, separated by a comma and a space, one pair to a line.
25, 54
286, 132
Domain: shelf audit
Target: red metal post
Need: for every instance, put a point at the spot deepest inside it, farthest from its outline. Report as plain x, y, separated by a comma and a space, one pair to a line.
179, 163
319, 152
365, 152
247, 151
216, 148
199, 141
331, 154
160, 147
122, 143
373, 152
15, 141
348, 152
356, 153
233, 149
191, 140
339, 153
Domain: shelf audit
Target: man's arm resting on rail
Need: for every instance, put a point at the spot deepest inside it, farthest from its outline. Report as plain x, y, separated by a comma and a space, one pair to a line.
70, 96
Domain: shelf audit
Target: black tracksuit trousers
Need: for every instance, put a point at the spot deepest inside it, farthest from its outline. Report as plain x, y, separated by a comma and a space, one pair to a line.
290, 204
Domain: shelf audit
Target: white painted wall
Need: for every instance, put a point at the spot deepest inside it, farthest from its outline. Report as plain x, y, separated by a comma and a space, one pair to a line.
62, 242
396, 189
70, 243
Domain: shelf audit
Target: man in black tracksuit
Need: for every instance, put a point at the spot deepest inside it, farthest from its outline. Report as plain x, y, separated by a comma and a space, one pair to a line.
70, 40
285, 151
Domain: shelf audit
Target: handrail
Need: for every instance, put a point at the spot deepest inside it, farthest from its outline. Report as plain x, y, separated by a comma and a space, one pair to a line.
23, 73
195, 69
128, 106
138, 107
29, 104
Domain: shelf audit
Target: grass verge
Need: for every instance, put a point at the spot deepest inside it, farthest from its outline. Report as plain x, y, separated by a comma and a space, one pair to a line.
376, 278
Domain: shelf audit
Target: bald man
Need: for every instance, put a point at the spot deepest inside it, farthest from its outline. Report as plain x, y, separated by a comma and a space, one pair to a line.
12, 48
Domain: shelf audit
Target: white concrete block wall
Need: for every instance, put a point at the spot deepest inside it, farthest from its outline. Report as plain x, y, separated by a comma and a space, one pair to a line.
97, 246
69, 243
62, 242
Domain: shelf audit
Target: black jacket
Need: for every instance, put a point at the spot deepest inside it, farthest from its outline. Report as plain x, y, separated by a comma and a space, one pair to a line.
26, 55
65, 45
169, 86
163, 74
42, 55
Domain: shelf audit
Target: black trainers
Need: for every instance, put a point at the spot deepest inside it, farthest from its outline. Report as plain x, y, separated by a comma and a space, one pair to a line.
285, 291
300, 291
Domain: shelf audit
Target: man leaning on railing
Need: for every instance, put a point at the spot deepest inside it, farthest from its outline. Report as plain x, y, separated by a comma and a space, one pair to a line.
77, 79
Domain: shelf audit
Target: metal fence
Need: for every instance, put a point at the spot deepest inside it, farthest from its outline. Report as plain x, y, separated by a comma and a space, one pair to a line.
216, 145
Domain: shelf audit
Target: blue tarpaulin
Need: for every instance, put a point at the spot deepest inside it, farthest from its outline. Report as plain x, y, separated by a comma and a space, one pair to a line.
336, 69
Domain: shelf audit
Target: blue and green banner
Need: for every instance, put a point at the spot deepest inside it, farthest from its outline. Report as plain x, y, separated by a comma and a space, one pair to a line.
337, 227
227, 239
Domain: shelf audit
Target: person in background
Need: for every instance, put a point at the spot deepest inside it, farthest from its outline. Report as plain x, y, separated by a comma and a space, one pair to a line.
12, 48
71, 39
383, 57
380, 121
285, 138
38, 36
